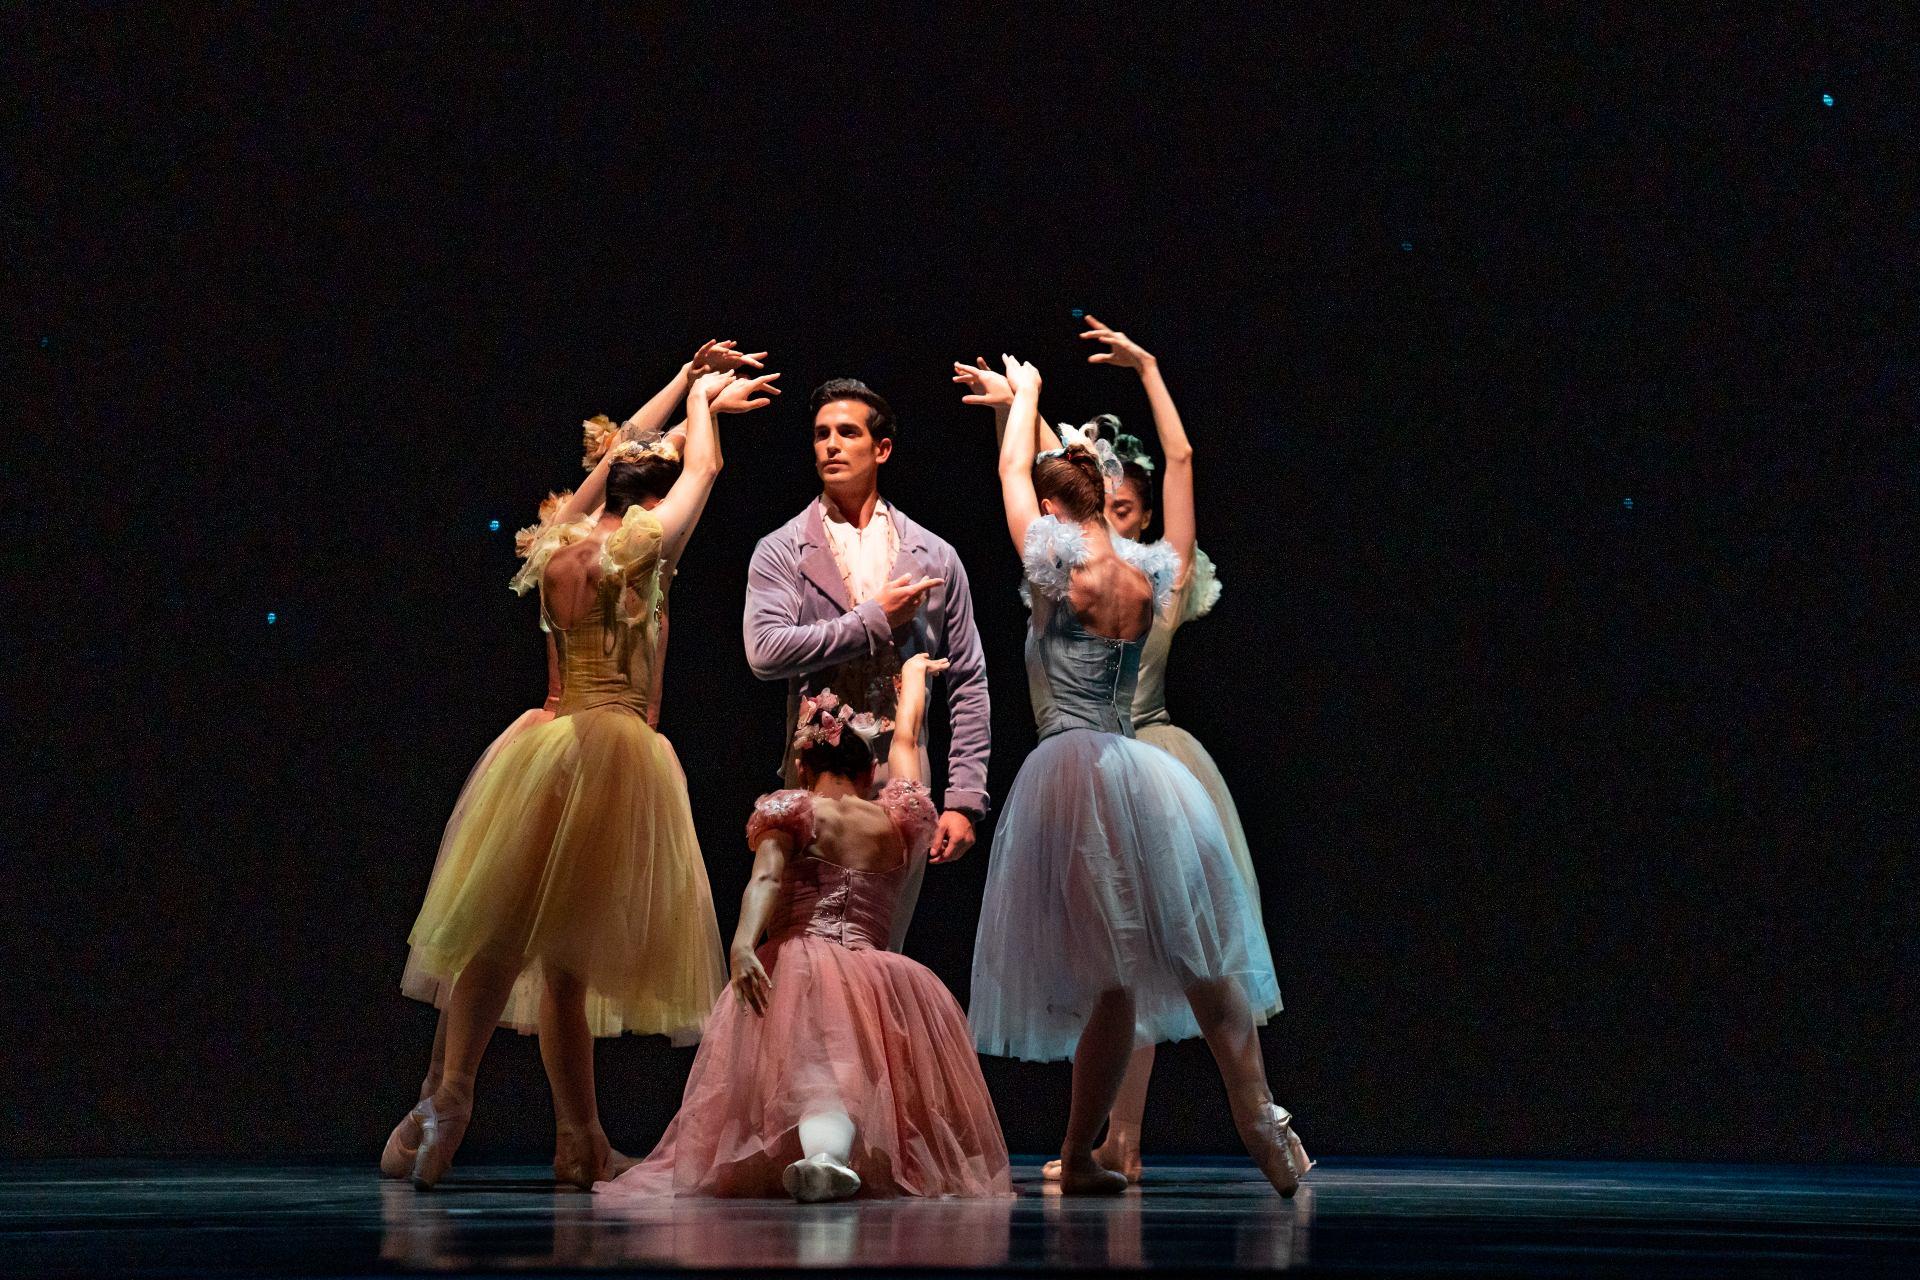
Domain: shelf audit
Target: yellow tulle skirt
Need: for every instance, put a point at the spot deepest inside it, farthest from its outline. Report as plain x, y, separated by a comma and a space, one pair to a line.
576, 853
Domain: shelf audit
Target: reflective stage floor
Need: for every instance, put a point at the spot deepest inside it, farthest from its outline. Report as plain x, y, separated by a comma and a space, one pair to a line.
1405, 1218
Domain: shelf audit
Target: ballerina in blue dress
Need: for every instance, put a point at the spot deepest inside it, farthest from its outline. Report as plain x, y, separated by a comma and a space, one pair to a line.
1113, 914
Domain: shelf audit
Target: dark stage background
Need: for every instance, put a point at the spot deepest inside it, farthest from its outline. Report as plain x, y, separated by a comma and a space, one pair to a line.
1554, 394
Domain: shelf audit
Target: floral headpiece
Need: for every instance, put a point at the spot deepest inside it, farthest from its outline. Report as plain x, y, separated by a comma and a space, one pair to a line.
637, 448
1087, 440
824, 718
597, 435
1128, 447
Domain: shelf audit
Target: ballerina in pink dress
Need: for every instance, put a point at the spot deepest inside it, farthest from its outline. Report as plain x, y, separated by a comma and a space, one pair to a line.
833, 1067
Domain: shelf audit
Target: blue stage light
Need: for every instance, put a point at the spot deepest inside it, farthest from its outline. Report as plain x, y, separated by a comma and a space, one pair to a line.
1406, 246
45, 341
1079, 313
493, 526
1627, 503
1827, 99
272, 618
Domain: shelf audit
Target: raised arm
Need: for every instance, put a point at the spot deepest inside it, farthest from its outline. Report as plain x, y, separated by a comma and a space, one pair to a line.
910, 716
712, 357
700, 464
1176, 486
751, 985
993, 389
1017, 452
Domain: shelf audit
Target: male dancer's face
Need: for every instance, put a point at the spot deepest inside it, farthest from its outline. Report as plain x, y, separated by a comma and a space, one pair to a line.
845, 453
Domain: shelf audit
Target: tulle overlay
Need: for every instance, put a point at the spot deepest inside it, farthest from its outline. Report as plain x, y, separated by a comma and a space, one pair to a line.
1185, 748
523, 1009
869, 1032
1109, 869
577, 851
850, 1027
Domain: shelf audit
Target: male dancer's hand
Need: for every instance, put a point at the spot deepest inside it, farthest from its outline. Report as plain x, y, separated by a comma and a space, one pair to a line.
902, 598
953, 837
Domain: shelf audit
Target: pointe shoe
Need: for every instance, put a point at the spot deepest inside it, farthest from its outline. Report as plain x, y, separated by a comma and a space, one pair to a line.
441, 1132
819, 1178
403, 1144
1277, 1149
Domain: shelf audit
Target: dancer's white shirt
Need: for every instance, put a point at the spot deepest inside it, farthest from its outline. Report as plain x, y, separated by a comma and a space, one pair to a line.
865, 555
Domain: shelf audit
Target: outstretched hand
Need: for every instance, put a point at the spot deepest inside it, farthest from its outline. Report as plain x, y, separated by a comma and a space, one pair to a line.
1022, 375
902, 597
915, 670
989, 386
745, 395
708, 386
1121, 350
716, 356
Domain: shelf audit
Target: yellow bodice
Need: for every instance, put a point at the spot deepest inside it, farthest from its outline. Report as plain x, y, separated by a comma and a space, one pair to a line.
607, 657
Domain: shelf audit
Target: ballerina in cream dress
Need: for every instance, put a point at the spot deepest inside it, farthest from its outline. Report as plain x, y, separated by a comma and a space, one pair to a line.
576, 857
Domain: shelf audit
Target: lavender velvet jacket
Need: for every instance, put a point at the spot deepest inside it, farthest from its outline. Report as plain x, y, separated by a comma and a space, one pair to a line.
801, 627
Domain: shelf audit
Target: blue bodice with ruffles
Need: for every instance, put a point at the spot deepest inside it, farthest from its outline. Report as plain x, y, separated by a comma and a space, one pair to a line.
1077, 678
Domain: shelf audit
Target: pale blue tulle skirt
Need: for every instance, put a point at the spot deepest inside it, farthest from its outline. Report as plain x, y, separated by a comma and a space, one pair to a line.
1109, 869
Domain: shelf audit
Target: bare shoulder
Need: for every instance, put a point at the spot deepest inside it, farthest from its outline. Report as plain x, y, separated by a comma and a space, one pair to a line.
856, 833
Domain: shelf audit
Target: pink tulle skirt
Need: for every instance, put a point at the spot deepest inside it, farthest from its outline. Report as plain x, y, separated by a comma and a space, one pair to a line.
871, 1033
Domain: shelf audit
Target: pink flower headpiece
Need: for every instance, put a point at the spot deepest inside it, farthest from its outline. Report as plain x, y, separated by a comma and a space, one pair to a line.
824, 718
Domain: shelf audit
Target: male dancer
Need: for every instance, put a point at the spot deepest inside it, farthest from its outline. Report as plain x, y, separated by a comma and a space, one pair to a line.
843, 593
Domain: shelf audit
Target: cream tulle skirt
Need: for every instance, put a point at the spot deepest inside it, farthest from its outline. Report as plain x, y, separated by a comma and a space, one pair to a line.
1109, 869
1186, 748
573, 849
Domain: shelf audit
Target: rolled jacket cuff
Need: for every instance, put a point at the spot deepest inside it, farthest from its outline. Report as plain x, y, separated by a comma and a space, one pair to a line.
874, 619
971, 803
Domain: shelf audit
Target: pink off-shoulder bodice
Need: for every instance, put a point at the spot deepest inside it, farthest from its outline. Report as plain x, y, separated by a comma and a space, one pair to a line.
841, 904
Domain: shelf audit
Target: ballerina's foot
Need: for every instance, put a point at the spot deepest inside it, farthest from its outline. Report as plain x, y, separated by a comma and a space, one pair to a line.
442, 1128
1090, 1178
819, 1178
580, 1160
403, 1144
1127, 1162
1276, 1149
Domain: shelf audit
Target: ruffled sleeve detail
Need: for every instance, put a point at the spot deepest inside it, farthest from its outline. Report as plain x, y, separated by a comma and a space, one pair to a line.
1202, 589
790, 811
910, 806
631, 557
1053, 550
1160, 562
547, 540
633, 549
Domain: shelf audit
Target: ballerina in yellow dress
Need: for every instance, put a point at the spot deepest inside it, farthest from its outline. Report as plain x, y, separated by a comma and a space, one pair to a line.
576, 858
